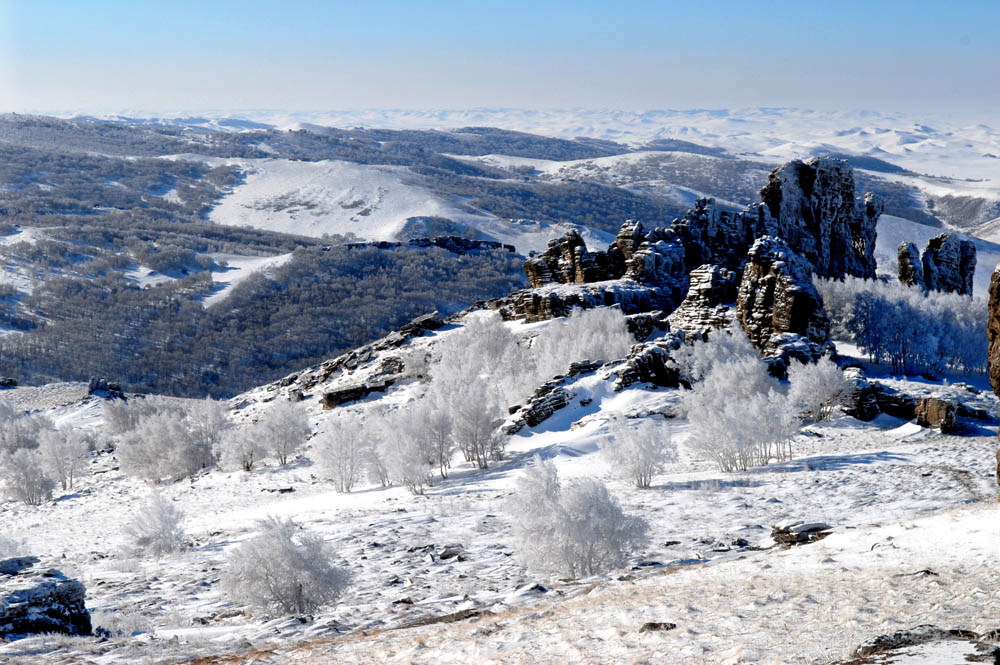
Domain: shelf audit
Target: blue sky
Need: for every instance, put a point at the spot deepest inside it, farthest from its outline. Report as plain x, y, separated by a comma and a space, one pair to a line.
103, 55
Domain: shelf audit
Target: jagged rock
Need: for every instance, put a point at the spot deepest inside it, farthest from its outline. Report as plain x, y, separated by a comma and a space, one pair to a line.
949, 264
778, 306
993, 331
651, 363
911, 270
557, 300
811, 206
548, 398
659, 263
712, 235
567, 261
936, 413
630, 236
8, 382
708, 303
657, 627
104, 388
861, 401
37, 600
641, 326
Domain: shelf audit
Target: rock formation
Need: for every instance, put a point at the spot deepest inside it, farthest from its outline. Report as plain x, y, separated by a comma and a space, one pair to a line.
777, 305
936, 413
993, 338
708, 303
811, 206
548, 398
911, 270
567, 261
949, 264
37, 600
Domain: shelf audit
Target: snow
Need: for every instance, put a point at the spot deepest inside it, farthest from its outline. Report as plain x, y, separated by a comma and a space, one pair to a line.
237, 269
901, 499
331, 197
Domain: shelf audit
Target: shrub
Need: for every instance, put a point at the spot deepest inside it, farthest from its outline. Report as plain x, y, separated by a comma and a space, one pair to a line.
156, 528
285, 429
163, 447
341, 451
638, 453
697, 359
578, 531
278, 571
816, 388
476, 425
241, 447
63, 453
408, 450
591, 334
739, 417
24, 479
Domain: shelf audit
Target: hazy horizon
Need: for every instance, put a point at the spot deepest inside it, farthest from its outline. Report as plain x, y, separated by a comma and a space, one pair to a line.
914, 57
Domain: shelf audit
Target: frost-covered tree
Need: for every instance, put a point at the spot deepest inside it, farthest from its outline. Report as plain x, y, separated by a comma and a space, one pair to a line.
436, 421
911, 330
64, 453
283, 569
739, 417
637, 453
697, 359
208, 421
19, 430
816, 388
578, 530
121, 416
163, 447
24, 477
241, 447
596, 334
341, 451
408, 450
475, 422
285, 428
156, 528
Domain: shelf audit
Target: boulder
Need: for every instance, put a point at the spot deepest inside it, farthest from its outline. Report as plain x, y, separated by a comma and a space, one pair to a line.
911, 270
800, 533
936, 413
651, 362
861, 400
949, 264
777, 305
35, 599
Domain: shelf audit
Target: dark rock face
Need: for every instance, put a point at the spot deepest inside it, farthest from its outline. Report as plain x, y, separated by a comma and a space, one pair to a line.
993, 332
861, 402
811, 206
707, 306
777, 305
936, 413
548, 398
39, 600
651, 362
911, 270
949, 264
567, 261
558, 300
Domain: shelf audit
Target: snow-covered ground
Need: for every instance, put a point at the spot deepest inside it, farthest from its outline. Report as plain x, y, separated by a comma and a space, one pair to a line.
330, 197
237, 269
901, 499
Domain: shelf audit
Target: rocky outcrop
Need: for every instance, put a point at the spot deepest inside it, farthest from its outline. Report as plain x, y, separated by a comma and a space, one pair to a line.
548, 398
777, 305
651, 362
557, 300
860, 401
34, 600
567, 261
936, 413
911, 270
811, 206
949, 264
993, 331
708, 305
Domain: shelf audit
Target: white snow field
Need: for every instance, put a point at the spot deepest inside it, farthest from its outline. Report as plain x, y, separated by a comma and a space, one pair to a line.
915, 540
330, 197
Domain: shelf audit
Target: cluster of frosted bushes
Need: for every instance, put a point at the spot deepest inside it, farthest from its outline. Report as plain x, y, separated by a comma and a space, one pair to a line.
35, 457
912, 331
